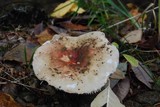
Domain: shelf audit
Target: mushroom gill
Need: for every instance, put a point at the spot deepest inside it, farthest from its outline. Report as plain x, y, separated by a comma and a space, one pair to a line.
76, 64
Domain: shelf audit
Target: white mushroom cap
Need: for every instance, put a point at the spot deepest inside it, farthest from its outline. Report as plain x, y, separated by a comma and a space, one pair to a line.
76, 64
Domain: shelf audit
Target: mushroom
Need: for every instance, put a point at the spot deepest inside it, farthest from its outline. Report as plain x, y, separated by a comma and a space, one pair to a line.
76, 64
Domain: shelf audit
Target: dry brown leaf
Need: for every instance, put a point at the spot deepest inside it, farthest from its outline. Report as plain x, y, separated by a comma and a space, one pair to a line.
57, 30
118, 75
143, 74
10, 88
157, 105
18, 53
122, 88
38, 28
71, 26
131, 6
134, 10
7, 101
115, 77
44, 36
133, 36
113, 82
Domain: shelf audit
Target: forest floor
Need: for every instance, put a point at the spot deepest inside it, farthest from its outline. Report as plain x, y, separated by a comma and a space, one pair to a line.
25, 26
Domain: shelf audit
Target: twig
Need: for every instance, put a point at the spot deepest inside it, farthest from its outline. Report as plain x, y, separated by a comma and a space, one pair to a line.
2, 83
150, 61
10, 75
157, 52
24, 85
148, 51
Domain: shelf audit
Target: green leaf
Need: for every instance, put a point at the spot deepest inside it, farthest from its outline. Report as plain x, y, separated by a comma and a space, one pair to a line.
115, 44
133, 61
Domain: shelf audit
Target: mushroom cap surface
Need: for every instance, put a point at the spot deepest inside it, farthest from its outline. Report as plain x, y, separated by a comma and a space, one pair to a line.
76, 64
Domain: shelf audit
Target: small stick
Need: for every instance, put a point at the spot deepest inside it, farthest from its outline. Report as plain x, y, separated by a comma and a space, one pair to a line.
18, 83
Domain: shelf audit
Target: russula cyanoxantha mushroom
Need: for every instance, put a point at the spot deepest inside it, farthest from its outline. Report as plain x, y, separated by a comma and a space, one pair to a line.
76, 64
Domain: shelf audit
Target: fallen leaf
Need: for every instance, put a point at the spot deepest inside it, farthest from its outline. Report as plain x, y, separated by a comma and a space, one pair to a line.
143, 74
133, 36
133, 61
44, 36
10, 88
120, 72
122, 88
66, 7
7, 101
11, 38
58, 30
106, 96
134, 10
125, 30
122, 66
75, 8
113, 82
118, 75
62, 9
157, 105
71, 26
38, 28
18, 53
131, 6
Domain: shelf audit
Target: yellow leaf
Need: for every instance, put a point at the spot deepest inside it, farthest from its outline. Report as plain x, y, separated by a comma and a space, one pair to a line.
133, 61
77, 9
66, 7
62, 9
115, 44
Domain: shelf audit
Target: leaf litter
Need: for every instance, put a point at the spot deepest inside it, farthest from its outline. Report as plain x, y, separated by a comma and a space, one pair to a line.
143, 75
17, 77
18, 54
133, 36
106, 96
8, 101
122, 88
